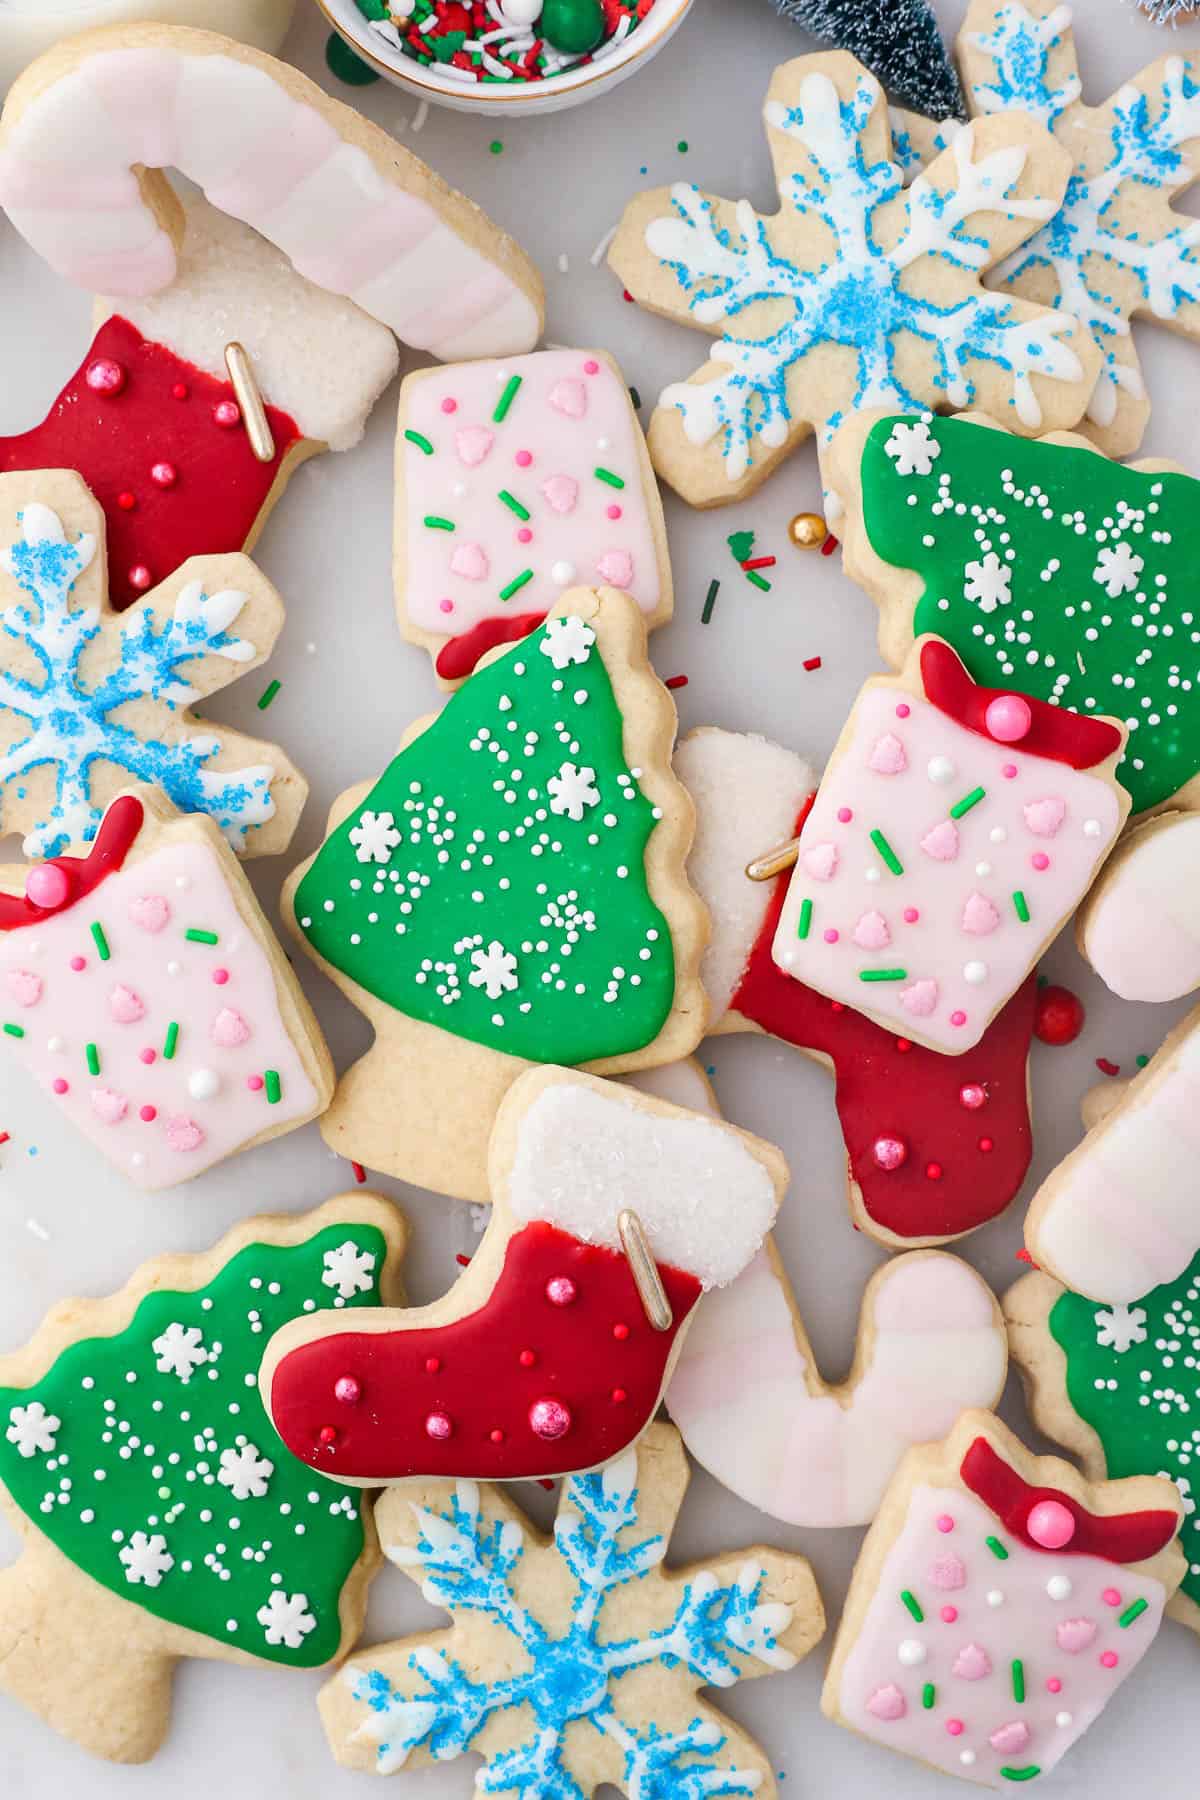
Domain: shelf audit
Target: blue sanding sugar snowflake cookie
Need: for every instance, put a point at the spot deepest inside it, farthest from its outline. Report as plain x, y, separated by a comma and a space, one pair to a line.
575, 1660
1117, 250
856, 293
91, 700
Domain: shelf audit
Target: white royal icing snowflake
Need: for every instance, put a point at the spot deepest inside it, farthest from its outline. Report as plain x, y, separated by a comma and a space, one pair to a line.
285, 1619
375, 837
1117, 569
494, 970
913, 448
567, 641
348, 1269
245, 1472
572, 791
1120, 1328
987, 582
32, 1429
180, 1350
146, 1559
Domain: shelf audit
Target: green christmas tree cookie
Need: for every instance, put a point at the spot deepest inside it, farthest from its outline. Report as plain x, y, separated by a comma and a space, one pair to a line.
509, 892
158, 1509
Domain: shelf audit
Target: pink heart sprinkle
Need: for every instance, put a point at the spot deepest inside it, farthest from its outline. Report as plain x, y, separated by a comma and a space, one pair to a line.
919, 999
472, 444
941, 841
972, 1663
560, 492
149, 912
887, 755
229, 1029
109, 1108
821, 861
1044, 817
948, 1572
183, 1133
569, 397
871, 932
1074, 1635
616, 568
887, 1702
470, 561
24, 986
1011, 1737
979, 916
125, 1006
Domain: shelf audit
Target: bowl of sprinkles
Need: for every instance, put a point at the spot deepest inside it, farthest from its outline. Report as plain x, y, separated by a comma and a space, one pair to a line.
512, 56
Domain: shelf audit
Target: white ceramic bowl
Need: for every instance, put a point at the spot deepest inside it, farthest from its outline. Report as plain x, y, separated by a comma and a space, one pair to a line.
502, 99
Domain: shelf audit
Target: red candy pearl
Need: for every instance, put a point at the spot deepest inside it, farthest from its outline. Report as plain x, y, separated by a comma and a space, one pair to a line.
227, 414
47, 886
1059, 1016
164, 474
973, 1095
347, 1389
126, 501
327, 1435
527, 1359
432, 1364
560, 1290
889, 1153
438, 1427
549, 1419
496, 1435
619, 1396
105, 375
139, 577
934, 1171
620, 1332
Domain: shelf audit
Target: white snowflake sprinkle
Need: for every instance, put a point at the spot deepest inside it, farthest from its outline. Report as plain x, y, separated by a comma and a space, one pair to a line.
375, 837
567, 641
180, 1351
32, 1429
987, 582
1117, 569
245, 1471
1120, 1328
348, 1269
285, 1619
494, 970
913, 448
146, 1559
572, 791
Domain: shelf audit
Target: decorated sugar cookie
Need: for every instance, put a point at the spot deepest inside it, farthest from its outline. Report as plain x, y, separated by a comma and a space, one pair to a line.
510, 891
1117, 250
355, 212
152, 423
753, 1409
159, 1515
856, 292
935, 1146
530, 1615
997, 1603
1121, 1213
1140, 925
144, 990
955, 830
1088, 1370
542, 1359
516, 480
90, 701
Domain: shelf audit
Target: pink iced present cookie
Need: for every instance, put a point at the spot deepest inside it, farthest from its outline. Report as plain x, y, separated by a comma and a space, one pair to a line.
998, 1601
143, 988
515, 481
954, 832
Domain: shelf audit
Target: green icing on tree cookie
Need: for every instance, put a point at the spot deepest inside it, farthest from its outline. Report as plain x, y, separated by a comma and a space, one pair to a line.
493, 880
148, 1458
1133, 1375
1054, 570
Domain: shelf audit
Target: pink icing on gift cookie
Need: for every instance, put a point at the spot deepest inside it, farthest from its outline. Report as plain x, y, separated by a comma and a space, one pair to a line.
518, 480
955, 830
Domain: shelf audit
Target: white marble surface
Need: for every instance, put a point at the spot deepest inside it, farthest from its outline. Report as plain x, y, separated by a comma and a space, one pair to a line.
68, 1225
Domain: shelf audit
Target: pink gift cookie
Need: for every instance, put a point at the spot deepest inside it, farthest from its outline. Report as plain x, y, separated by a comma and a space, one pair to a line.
998, 1601
515, 481
954, 832
144, 990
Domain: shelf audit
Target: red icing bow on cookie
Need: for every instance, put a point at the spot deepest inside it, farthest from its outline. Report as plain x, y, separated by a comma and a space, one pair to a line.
1046, 1519
1007, 717
51, 887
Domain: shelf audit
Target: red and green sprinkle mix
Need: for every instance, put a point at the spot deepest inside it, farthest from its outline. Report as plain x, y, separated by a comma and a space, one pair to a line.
473, 41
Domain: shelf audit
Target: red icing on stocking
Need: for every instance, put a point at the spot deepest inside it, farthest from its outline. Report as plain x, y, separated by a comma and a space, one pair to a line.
937, 1144
459, 656
61, 882
162, 446
559, 1370
1047, 1519
1007, 716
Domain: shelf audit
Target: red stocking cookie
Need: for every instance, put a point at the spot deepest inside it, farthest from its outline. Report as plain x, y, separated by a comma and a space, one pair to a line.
542, 1360
935, 1146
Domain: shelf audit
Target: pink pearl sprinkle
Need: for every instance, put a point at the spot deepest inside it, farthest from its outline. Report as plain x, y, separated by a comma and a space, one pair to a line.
902, 711
164, 474
844, 815
227, 414
347, 1389
524, 536
1009, 771
830, 936
148, 1055
60, 1086
1053, 1685
105, 375
889, 1152
445, 606
1008, 718
1111, 1596
47, 886
958, 1018
944, 1522
549, 1419
1051, 1524
78, 962
147, 1113
439, 1427
254, 1083
591, 366
1040, 860
449, 405
613, 512
972, 1096
1109, 1660
560, 1290
911, 915
523, 458
954, 1727
949, 1614
220, 976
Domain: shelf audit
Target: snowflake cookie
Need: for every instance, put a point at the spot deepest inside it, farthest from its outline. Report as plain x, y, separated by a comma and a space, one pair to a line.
90, 701
533, 908
145, 992
514, 481
998, 1601
1116, 250
157, 1509
969, 822
856, 293
541, 1360
1116, 1385
573, 1660
935, 1146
